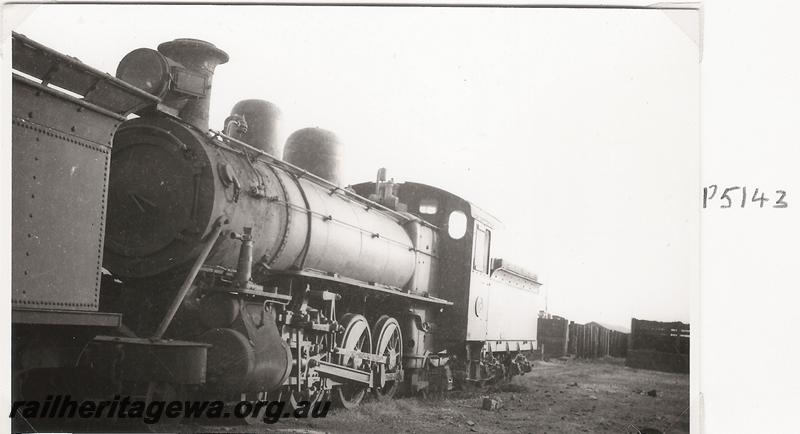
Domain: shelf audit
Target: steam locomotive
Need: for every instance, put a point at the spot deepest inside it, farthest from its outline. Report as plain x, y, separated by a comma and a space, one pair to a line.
161, 258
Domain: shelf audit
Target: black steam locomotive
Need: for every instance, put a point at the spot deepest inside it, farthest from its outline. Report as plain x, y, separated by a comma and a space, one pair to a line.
167, 259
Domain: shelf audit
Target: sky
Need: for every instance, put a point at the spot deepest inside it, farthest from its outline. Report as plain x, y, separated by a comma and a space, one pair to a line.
578, 129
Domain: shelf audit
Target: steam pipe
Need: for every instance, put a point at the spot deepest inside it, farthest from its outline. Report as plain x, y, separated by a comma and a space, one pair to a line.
187, 283
244, 269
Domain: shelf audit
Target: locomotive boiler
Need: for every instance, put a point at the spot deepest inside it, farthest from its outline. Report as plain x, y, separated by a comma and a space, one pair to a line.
243, 267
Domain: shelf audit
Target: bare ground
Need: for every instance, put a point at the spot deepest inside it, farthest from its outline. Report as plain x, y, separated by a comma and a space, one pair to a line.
556, 397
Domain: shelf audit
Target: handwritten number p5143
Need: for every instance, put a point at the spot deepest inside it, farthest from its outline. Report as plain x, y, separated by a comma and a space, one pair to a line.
728, 196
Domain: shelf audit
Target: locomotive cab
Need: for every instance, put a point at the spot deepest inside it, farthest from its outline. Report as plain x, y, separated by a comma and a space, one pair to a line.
495, 303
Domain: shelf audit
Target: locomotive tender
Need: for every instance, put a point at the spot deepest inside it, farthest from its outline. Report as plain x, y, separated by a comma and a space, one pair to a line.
234, 268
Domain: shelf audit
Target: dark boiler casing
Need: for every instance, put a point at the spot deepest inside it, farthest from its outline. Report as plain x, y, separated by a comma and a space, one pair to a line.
169, 183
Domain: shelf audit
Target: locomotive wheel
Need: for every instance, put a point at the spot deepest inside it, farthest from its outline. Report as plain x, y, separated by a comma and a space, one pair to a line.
319, 390
356, 337
388, 342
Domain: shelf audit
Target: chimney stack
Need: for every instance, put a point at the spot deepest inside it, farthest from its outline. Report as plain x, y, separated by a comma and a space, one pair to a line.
199, 58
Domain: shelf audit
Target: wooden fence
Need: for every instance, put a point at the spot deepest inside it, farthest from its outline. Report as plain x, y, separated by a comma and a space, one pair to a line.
660, 346
591, 341
559, 337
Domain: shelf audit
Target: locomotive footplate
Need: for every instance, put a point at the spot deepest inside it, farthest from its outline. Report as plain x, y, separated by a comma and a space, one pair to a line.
65, 317
138, 359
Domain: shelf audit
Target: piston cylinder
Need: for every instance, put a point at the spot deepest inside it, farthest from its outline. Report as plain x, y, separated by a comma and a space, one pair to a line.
249, 356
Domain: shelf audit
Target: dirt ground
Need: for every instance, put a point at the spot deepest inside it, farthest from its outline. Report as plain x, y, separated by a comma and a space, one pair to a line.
556, 397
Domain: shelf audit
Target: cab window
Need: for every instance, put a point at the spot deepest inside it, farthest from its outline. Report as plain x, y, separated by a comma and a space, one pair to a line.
480, 252
428, 206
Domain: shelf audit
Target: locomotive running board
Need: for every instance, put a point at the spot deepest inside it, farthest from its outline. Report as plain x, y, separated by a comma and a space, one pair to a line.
96, 88
364, 285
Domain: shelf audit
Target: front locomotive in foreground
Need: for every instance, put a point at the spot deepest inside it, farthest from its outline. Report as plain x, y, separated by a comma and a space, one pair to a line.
244, 269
